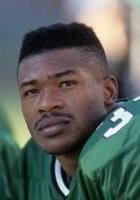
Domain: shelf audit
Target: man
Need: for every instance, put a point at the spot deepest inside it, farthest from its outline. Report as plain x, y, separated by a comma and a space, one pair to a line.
8, 154
85, 146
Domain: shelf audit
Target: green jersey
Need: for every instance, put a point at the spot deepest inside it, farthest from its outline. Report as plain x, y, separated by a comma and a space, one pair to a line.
108, 169
109, 166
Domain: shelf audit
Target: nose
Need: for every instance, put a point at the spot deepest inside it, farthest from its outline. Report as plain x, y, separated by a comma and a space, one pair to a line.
49, 101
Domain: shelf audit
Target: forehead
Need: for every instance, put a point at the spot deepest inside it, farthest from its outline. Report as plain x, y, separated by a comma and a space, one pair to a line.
53, 62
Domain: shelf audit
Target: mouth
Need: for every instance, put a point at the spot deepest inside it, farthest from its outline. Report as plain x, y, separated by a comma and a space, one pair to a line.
52, 127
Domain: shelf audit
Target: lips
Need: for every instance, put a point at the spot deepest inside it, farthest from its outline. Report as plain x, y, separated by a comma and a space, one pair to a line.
52, 126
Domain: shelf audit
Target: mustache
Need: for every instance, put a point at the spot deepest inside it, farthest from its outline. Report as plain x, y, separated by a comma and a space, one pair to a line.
53, 115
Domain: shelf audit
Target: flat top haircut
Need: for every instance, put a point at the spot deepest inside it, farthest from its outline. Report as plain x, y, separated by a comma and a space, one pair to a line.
60, 36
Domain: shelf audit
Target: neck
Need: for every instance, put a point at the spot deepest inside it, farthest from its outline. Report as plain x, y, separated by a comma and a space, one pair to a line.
69, 163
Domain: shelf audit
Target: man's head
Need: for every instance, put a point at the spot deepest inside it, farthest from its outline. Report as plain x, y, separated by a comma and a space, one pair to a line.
65, 85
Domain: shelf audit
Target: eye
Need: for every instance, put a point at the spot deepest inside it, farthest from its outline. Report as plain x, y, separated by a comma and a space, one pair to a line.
67, 84
30, 93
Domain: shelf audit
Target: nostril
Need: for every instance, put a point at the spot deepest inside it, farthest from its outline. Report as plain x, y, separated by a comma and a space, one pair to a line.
41, 111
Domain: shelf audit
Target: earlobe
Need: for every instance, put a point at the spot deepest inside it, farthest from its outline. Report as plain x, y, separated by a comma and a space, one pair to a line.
111, 90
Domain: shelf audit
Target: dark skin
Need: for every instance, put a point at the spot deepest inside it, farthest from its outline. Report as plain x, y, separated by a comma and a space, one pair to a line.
63, 101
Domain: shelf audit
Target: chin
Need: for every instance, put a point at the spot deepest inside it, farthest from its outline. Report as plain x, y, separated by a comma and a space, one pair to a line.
60, 150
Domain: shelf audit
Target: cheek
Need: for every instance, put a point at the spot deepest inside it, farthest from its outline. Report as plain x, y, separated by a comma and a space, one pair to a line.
81, 105
89, 106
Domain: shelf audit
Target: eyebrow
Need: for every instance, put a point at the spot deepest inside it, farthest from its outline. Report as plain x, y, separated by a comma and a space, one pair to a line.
55, 75
62, 73
26, 83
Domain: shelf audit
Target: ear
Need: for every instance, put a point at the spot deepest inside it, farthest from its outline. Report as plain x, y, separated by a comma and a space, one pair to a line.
110, 90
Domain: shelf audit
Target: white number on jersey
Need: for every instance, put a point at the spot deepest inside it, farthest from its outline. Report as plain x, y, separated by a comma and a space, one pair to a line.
123, 116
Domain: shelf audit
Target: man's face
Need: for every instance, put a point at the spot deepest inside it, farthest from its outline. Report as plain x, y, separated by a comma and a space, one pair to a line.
61, 99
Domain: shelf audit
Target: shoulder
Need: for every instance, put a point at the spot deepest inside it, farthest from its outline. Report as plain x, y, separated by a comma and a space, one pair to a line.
119, 133
33, 160
110, 158
33, 152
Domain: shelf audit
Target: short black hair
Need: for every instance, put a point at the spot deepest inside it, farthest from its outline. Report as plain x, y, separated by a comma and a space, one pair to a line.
60, 36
